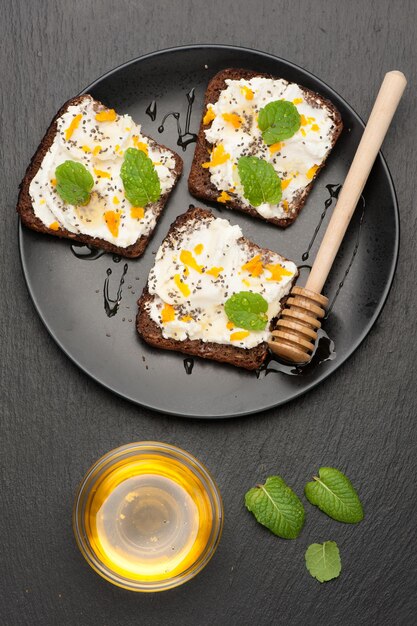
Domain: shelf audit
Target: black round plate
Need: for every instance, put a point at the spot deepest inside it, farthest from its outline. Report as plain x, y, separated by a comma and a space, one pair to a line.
68, 292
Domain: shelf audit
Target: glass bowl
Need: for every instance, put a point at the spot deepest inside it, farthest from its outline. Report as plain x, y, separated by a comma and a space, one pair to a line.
148, 516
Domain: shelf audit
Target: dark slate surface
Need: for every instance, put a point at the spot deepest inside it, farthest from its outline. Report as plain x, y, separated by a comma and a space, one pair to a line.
55, 421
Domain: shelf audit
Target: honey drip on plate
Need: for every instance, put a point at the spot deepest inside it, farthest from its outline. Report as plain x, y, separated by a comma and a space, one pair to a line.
188, 365
86, 252
186, 137
111, 306
324, 351
151, 110
334, 191
352, 258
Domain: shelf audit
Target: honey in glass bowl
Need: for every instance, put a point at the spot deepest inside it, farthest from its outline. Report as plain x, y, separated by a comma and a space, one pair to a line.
148, 516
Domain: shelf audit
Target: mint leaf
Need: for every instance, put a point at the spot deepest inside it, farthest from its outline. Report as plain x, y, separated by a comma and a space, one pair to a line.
323, 561
260, 181
140, 179
278, 120
73, 182
247, 310
277, 507
335, 495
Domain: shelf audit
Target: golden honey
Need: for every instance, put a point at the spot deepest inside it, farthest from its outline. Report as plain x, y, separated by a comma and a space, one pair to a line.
148, 516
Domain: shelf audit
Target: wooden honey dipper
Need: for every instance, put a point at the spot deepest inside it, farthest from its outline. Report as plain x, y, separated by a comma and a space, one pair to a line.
296, 332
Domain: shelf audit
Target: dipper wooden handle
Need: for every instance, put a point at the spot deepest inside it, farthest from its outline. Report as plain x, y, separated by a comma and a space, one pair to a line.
296, 329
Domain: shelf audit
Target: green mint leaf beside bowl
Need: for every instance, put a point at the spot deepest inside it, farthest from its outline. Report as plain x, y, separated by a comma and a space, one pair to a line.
277, 507
278, 120
140, 178
247, 310
261, 183
335, 495
323, 561
73, 183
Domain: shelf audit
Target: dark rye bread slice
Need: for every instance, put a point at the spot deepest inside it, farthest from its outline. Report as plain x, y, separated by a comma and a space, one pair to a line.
248, 358
24, 203
199, 182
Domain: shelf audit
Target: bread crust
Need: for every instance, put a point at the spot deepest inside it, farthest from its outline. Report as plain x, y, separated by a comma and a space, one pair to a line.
199, 183
25, 208
248, 358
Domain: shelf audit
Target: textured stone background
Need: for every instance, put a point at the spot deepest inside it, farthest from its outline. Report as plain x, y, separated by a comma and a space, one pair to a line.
55, 421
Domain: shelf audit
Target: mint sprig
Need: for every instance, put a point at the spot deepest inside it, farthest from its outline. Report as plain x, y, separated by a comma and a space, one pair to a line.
323, 561
140, 179
277, 507
261, 183
278, 120
335, 495
73, 182
247, 310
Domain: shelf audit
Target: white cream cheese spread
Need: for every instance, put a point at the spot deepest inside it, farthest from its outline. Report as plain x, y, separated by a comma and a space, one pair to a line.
97, 137
233, 132
198, 267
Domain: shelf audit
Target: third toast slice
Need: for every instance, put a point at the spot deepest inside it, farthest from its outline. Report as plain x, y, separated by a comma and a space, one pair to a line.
200, 293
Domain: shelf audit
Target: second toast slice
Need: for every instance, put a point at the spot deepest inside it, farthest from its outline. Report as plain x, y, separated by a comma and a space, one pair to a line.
230, 130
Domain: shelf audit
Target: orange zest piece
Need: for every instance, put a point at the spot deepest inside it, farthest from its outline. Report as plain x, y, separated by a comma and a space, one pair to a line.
303, 132
96, 150
311, 172
54, 226
248, 93
234, 119
285, 183
303, 120
215, 271
277, 272
86, 149
224, 197
185, 290
209, 116
102, 174
167, 313
116, 200
254, 266
112, 220
186, 318
217, 157
297, 101
199, 248
42, 201
187, 258
140, 145
53, 182
240, 334
74, 124
137, 212
276, 147
315, 127
108, 115
246, 282
285, 206
230, 325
